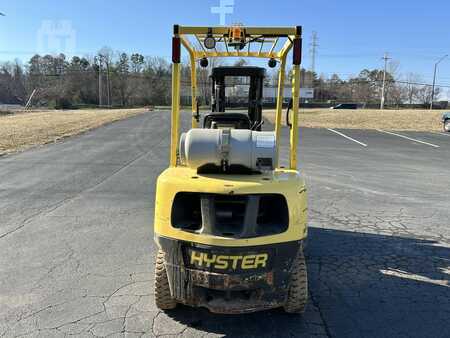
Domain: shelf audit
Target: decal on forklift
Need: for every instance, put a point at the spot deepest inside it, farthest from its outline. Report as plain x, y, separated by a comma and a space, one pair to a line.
228, 262
265, 141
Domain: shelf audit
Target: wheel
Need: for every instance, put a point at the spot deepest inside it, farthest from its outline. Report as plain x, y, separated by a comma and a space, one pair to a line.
447, 125
298, 288
163, 299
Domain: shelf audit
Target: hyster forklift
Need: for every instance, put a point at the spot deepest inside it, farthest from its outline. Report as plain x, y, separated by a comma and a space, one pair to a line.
230, 221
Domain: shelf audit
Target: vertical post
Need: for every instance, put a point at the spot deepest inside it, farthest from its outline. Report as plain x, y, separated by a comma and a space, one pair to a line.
108, 84
194, 93
176, 56
294, 120
434, 79
279, 109
31, 98
100, 81
383, 89
297, 58
434, 85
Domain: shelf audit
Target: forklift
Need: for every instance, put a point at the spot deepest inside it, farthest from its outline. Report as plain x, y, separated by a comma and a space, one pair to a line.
230, 222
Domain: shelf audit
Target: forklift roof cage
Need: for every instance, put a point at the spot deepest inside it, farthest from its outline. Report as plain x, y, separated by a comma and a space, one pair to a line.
242, 40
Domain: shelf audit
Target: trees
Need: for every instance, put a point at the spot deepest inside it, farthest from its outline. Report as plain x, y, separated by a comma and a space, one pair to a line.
133, 80
121, 74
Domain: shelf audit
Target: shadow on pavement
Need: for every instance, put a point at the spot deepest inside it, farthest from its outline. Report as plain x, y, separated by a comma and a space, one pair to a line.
361, 285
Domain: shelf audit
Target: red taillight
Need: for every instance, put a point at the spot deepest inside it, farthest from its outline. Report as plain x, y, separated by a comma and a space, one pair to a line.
176, 50
297, 53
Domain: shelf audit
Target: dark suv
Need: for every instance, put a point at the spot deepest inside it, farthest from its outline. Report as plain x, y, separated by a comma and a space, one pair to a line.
446, 121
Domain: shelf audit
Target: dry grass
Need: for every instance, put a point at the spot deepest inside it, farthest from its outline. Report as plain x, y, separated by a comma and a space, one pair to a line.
418, 120
22, 130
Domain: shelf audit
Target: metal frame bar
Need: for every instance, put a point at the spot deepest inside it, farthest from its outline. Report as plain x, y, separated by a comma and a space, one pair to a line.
268, 31
264, 55
262, 44
273, 45
175, 130
290, 33
190, 50
293, 137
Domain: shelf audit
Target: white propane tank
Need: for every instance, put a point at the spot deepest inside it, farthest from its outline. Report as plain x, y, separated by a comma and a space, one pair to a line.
225, 148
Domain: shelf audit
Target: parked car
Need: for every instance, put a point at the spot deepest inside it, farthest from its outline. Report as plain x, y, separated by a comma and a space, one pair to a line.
446, 121
345, 106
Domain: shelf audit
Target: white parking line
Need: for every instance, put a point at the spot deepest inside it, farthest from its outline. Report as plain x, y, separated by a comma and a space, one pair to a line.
441, 133
347, 137
408, 138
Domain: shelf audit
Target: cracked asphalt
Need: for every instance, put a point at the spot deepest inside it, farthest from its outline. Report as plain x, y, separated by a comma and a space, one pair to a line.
77, 254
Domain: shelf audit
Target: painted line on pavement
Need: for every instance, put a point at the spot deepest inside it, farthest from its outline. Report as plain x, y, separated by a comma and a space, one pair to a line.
347, 137
409, 138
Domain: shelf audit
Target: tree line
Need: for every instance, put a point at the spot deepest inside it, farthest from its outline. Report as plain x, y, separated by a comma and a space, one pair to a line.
124, 80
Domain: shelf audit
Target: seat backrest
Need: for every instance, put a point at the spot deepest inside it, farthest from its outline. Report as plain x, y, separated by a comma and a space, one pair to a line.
226, 120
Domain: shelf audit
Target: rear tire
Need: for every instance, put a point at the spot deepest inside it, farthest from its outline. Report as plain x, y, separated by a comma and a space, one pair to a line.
447, 125
163, 298
298, 288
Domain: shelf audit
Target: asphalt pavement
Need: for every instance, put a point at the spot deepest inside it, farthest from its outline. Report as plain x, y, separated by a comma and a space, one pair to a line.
77, 251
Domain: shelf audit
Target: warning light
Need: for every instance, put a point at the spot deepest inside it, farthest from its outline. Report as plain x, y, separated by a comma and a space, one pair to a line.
236, 36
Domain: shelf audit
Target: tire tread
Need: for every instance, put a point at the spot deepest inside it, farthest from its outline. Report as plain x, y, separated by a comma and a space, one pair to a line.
163, 298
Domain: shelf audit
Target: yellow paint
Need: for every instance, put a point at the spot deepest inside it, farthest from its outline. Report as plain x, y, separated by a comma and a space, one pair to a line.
279, 109
193, 64
231, 53
187, 30
294, 128
289, 183
175, 113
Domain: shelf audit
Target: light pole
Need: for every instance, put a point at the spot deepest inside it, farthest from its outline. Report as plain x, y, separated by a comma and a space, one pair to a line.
434, 79
383, 89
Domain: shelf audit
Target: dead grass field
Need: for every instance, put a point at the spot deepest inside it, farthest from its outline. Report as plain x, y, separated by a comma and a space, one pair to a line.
413, 120
22, 130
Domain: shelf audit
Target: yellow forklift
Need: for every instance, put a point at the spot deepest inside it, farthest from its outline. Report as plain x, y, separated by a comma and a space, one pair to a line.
230, 221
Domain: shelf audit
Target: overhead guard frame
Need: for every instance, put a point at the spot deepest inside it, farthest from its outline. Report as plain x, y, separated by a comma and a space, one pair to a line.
260, 35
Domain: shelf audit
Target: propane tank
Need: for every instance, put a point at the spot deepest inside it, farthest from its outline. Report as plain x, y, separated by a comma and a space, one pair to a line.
225, 148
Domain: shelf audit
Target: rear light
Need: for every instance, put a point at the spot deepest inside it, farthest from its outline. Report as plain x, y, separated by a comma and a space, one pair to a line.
176, 49
297, 53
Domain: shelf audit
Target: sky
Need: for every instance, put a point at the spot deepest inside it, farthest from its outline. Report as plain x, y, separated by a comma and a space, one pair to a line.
352, 35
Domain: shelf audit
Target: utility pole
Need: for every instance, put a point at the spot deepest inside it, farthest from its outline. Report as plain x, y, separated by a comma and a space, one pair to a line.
105, 57
108, 85
383, 89
434, 79
313, 51
100, 81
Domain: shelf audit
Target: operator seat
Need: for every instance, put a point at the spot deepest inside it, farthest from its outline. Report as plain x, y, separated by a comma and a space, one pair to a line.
226, 120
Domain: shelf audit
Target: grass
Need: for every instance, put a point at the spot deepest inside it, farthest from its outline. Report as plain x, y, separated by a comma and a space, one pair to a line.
22, 130
412, 120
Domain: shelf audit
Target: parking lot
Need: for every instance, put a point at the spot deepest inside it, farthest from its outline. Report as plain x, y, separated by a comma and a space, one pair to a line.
77, 251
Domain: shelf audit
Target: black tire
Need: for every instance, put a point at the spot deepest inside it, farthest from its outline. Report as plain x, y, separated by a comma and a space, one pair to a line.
298, 287
163, 299
447, 125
